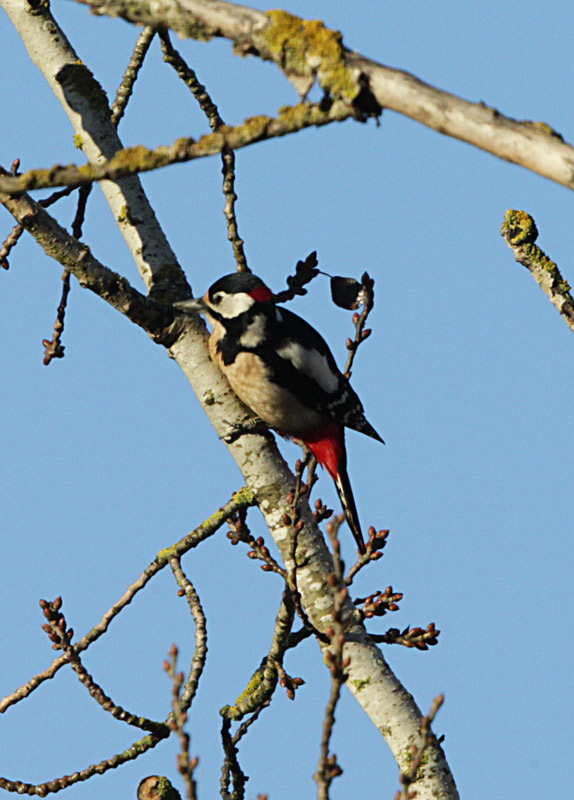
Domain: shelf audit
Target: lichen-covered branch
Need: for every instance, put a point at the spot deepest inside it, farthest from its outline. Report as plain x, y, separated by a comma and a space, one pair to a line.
134, 160
312, 53
41, 790
520, 233
262, 684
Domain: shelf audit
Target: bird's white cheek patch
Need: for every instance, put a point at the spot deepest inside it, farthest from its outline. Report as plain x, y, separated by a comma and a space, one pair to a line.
312, 363
232, 305
254, 333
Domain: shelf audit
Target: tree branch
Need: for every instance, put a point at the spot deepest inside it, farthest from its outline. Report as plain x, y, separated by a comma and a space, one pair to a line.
532, 145
520, 233
133, 160
389, 705
157, 319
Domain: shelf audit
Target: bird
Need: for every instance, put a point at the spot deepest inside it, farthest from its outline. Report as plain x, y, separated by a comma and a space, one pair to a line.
284, 371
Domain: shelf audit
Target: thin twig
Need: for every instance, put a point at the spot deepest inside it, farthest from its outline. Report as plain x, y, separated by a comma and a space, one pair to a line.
187, 74
239, 532
125, 89
328, 768
373, 551
42, 789
53, 348
421, 638
256, 697
366, 299
186, 765
200, 651
61, 635
240, 499
231, 768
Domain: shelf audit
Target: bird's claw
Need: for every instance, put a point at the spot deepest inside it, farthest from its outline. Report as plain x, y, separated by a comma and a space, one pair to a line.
252, 425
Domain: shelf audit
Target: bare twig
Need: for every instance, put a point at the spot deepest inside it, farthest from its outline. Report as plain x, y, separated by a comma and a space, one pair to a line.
61, 636
520, 233
366, 299
9, 242
240, 499
41, 790
328, 768
187, 74
421, 638
53, 347
374, 551
239, 532
126, 87
256, 697
186, 764
200, 652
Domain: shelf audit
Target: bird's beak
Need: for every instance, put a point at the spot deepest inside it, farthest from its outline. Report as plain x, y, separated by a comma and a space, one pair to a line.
193, 305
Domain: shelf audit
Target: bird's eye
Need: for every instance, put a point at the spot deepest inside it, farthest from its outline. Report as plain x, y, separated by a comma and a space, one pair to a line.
217, 298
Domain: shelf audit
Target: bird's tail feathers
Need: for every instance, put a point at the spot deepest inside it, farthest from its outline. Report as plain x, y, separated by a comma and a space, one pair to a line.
349, 507
328, 447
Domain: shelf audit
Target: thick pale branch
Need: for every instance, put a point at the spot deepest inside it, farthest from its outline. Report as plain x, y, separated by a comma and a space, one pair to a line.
138, 159
157, 319
531, 145
86, 105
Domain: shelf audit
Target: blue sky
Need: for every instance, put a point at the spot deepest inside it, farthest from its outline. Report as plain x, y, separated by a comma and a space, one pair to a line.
468, 376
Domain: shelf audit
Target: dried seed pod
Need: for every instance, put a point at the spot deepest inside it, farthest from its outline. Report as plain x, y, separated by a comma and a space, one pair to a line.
345, 292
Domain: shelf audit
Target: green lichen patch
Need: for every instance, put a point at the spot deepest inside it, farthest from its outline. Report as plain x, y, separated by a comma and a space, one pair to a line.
236, 711
544, 127
307, 50
519, 227
360, 685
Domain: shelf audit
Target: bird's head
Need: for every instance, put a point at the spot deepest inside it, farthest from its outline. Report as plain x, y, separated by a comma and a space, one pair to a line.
229, 297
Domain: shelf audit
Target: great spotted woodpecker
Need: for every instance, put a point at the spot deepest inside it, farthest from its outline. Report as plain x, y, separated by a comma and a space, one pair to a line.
283, 370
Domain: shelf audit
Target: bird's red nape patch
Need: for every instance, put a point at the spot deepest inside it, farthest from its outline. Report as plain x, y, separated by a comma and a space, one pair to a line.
261, 294
327, 445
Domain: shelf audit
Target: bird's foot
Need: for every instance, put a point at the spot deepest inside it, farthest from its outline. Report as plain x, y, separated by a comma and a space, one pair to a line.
253, 425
